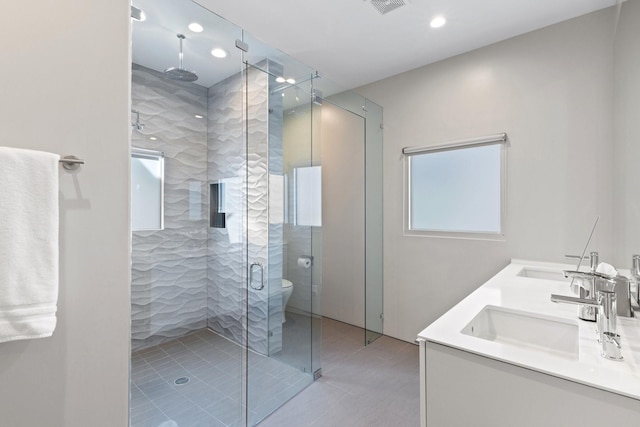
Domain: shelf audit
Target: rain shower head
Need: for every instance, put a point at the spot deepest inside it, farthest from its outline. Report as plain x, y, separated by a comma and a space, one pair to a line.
180, 73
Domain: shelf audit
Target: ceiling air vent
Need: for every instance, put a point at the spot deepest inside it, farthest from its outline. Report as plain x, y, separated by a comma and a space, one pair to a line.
386, 6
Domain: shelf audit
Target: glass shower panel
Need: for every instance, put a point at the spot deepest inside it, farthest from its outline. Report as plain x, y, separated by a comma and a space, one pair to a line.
373, 222
280, 252
226, 313
370, 213
188, 279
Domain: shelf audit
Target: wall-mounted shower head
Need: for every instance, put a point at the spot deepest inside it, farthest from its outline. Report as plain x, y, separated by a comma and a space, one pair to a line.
137, 125
180, 73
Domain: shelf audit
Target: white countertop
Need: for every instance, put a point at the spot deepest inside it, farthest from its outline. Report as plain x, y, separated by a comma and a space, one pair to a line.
508, 290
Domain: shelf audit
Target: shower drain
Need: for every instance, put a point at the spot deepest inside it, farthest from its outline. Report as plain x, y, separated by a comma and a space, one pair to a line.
181, 381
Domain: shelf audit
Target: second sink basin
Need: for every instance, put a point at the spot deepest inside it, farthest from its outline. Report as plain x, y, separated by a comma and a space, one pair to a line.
523, 329
539, 273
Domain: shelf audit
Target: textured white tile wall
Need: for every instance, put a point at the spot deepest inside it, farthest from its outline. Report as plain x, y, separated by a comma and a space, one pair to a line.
169, 270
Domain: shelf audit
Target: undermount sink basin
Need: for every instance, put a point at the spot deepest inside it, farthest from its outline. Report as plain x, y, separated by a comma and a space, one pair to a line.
536, 273
525, 330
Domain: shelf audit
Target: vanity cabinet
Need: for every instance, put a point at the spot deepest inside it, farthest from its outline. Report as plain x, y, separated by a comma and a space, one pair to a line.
463, 389
506, 356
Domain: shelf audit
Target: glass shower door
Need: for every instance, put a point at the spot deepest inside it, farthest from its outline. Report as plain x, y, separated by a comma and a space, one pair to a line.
280, 223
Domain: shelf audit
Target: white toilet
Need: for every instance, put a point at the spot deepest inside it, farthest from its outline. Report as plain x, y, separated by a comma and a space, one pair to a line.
287, 289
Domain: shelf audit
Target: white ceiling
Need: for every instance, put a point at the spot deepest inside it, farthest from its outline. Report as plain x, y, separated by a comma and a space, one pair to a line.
347, 41
350, 42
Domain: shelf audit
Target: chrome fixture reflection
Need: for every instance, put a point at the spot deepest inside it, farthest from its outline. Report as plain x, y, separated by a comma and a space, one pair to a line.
137, 125
180, 73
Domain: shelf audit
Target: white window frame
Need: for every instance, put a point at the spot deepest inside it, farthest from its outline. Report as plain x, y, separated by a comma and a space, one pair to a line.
295, 195
457, 145
158, 156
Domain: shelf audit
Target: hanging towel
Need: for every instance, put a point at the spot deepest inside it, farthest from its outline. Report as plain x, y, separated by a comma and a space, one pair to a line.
28, 243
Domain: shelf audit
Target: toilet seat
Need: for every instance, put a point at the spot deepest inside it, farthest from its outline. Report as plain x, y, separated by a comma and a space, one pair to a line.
286, 283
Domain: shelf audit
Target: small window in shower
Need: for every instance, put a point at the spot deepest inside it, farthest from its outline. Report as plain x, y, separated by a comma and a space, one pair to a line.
308, 194
147, 189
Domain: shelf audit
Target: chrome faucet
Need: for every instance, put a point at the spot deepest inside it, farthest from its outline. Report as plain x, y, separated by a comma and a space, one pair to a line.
583, 290
606, 313
587, 285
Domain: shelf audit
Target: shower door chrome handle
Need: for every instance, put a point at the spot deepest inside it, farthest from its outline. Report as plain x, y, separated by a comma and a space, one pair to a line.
251, 268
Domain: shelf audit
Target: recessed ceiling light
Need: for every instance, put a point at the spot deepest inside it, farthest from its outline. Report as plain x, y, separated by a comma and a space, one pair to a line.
438, 22
291, 81
153, 138
198, 116
195, 27
219, 53
280, 79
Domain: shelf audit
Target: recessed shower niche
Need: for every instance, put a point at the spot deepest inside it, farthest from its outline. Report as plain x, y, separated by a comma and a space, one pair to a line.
216, 205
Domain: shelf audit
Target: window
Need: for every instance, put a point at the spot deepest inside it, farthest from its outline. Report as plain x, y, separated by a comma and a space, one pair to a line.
308, 194
147, 189
457, 190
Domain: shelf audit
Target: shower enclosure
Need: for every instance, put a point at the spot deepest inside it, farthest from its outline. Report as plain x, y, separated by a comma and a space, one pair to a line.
226, 210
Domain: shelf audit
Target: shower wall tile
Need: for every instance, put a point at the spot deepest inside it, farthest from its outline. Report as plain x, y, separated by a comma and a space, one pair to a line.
276, 201
258, 211
169, 267
190, 275
226, 159
228, 269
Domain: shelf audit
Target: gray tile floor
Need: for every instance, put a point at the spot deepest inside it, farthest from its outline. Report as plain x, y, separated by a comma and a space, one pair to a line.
212, 396
209, 361
377, 385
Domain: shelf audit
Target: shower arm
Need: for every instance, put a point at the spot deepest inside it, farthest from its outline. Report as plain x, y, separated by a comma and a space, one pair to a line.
180, 54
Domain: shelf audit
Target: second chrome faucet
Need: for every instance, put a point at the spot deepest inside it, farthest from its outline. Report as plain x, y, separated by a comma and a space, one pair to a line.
603, 296
605, 308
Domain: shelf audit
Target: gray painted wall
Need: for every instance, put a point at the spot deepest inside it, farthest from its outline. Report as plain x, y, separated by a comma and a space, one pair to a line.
300, 240
627, 134
68, 93
338, 273
343, 217
552, 92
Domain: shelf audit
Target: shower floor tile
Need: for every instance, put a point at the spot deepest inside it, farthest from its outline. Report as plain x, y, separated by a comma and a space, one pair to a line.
212, 396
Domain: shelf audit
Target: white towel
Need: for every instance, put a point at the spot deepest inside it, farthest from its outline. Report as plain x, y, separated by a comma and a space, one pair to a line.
28, 243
